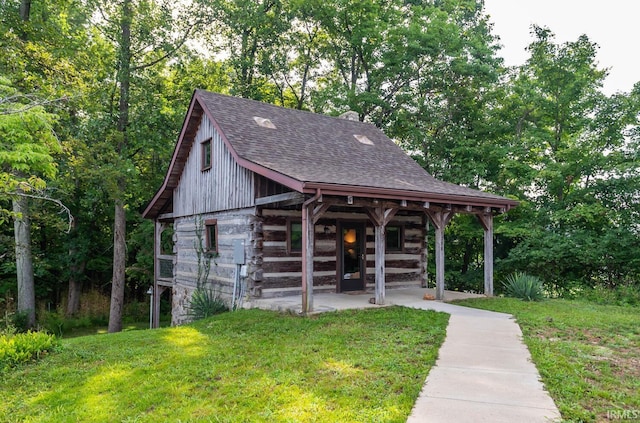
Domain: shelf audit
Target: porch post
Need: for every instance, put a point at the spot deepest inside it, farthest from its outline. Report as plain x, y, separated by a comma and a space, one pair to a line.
487, 224
380, 265
380, 217
308, 233
155, 297
440, 220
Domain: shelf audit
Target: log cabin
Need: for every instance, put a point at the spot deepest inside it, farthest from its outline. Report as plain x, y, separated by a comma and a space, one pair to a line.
264, 201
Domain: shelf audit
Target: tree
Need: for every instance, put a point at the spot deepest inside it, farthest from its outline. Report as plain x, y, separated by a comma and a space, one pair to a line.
26, 160
571, 157
143, 34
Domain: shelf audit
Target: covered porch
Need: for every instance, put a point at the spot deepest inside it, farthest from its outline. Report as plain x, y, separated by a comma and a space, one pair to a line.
380, 211
327, 302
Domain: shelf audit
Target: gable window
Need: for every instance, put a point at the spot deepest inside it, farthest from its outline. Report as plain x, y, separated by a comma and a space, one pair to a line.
211, 233
394, 238
206, 154
294, 236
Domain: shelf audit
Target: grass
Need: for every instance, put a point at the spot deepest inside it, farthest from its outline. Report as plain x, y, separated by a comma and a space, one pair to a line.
251, 365
588, 355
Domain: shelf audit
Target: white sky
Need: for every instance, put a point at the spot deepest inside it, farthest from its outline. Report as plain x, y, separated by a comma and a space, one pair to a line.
613, 24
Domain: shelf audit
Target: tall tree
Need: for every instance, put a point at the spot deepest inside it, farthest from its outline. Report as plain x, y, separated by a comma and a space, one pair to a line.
27, 145
144, 34
570, 156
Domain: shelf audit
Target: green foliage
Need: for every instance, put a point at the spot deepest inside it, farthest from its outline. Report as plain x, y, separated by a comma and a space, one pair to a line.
23, 347
524, 286
205, 302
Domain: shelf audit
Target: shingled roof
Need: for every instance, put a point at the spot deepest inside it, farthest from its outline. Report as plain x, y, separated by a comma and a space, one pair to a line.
307, 151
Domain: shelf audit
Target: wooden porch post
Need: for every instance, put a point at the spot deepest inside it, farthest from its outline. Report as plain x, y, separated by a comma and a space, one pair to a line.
380, 218
486, 220
312, 210
440, 220
308, 233
380, 249
157, 251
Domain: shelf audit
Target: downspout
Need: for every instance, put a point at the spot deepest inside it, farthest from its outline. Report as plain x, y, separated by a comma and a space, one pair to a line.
306, 295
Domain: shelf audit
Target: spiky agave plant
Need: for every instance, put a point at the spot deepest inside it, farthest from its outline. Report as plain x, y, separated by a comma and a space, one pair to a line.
524, 286
205, 302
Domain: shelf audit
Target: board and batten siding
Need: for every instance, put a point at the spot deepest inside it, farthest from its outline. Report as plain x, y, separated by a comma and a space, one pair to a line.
225, 186
283, 269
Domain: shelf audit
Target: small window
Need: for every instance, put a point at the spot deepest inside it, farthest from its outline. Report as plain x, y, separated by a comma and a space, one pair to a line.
394, 238
295, 236
212, 235
206, 154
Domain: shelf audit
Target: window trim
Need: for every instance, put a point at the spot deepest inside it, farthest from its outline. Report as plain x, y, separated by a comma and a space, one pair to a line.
203, 147
290, 222
401, 240
208, 224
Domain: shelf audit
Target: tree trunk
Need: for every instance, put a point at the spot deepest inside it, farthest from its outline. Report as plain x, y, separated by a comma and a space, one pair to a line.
119, 260
24, 260
120, 220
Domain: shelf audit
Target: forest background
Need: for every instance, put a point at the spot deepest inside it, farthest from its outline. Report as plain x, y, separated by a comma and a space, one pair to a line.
93, 94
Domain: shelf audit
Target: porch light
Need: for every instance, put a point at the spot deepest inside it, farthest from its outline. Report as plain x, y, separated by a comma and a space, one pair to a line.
350, 236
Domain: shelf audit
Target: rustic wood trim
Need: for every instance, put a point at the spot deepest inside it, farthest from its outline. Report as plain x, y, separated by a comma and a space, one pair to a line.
290, 250
207, 224
440, 219
401, 229
487, 224
203, 156
319, 211
308, 233
278, 198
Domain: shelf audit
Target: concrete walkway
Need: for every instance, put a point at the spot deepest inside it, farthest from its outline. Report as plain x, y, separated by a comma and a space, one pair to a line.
484, 372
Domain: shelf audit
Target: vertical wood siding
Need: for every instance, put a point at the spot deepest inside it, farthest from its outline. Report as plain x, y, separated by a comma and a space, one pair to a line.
225, 186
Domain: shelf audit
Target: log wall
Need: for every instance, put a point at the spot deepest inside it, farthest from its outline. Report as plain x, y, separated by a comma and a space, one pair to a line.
283, 269
232, 225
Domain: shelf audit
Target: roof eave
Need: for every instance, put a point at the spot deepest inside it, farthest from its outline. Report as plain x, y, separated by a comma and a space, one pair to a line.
396, 194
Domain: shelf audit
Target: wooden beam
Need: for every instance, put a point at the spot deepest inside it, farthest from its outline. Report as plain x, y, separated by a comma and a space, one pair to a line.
486, 220
308, 234
277, 198
319, 211
440, 219
380, 217
380, 249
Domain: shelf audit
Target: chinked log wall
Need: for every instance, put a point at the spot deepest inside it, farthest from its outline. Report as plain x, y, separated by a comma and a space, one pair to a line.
283, 269
232, 225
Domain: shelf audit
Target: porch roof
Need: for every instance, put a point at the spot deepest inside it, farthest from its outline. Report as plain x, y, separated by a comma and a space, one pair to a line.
306, 152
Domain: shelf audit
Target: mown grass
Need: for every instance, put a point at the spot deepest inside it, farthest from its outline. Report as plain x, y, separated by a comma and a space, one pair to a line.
247, 366
588, 355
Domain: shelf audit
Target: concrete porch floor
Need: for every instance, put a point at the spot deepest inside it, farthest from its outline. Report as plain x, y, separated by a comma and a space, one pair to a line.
324, 302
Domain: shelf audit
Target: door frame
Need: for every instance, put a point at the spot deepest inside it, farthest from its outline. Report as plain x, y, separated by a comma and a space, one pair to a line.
361, 226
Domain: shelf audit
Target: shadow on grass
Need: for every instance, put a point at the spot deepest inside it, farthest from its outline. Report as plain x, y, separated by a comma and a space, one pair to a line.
251, 365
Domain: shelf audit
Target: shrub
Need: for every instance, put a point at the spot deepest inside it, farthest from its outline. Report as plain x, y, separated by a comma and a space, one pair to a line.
205, 302
523, 286
24, 347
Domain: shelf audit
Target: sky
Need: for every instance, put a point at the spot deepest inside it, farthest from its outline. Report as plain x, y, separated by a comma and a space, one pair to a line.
612, 24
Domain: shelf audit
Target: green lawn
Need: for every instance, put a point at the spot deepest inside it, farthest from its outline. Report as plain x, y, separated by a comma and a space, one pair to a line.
588, 355
251, 365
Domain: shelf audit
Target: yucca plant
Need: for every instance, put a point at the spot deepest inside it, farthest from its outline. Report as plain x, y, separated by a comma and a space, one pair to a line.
524, 286
205, 302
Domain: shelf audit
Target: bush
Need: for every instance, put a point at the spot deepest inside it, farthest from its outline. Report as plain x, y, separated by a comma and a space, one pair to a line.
24, 347
523, 286
205, 302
